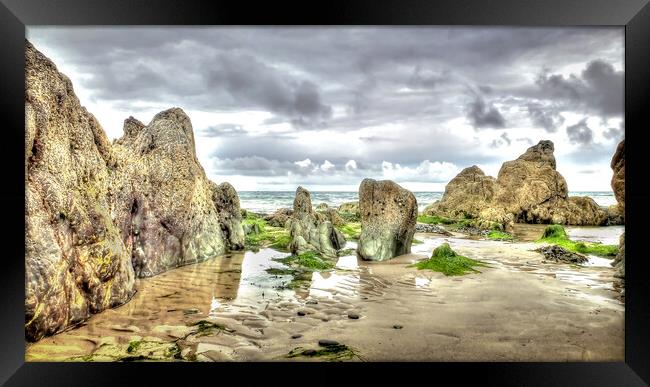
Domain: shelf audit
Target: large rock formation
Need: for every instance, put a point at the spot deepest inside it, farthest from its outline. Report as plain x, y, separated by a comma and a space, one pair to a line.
465, 195
526, 190
388, 217
168, 212
99, 215
618, 186
310, 231
76, 262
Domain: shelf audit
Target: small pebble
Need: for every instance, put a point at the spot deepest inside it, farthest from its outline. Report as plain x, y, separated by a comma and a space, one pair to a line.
301, 313
309, 352
353, 316
327, 342
296, 336
397, 326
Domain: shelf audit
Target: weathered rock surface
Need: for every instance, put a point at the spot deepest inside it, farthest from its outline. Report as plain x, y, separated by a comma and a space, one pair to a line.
526, 190
350, 207
169, 213
618, 186
466, 194
388, 217
309, 231
559, 254
98, 215
431, 228
280, 217
75, 259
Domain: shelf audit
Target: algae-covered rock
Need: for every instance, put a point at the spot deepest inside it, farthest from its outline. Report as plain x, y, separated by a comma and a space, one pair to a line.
309, 231
388, 217
280, 218
76, 262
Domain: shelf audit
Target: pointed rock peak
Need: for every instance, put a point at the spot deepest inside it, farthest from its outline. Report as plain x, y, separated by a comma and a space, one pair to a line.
302, 202
473, 170
171, 126
132, 126
543, 152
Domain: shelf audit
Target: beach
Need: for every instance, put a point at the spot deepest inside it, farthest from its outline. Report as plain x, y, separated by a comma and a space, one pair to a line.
516, 309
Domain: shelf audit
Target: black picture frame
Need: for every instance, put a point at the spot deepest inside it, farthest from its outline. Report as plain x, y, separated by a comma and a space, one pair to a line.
634, 15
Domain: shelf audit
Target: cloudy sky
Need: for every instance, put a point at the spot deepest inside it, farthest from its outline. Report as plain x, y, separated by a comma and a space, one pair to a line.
273, 108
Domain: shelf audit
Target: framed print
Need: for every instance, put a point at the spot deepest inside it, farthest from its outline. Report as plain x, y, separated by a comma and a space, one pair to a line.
432, 188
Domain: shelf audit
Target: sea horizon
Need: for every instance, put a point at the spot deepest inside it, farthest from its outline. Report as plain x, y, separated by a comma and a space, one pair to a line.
262, 201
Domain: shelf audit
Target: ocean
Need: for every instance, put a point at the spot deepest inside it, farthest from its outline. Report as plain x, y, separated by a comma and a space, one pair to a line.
269, 201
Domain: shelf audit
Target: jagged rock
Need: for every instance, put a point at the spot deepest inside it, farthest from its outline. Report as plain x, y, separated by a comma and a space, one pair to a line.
388, 217
618, 178
75, 260
279, 218
97, 214
164, 203
431, 228
333, 216
615, 215
349, 207
309, 231
465, 195
534, 192
322, 207
527, 190
558, 254
618, 186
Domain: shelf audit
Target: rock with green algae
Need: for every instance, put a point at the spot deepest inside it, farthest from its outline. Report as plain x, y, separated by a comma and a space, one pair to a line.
310, 231
388, 218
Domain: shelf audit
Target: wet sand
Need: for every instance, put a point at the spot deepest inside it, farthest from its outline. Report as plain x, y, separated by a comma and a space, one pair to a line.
517, 309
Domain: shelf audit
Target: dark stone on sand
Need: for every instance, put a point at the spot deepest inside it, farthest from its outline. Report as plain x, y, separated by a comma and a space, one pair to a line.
327, 342
296, 336
558, 254
353, 316
301, 313
309, 352
397, 326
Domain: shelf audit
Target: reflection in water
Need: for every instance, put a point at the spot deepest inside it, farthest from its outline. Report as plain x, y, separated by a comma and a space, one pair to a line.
237, 288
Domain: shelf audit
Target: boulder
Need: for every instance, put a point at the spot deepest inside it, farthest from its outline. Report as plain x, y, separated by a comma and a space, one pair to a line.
98, 215
533, 191
349, 207
388, 217
526, 190
559, 254
164, 204
280, 217
309, 231
465, 195
618, 186
76, 262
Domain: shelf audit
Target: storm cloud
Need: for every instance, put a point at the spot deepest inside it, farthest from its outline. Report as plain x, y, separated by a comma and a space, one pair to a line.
408, 103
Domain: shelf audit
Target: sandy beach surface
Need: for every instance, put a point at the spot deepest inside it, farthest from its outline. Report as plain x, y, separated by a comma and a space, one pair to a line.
230, 308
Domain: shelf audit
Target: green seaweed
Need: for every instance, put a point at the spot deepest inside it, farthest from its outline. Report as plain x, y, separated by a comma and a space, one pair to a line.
416, 241
351, 230
435, 219
337, 352
556, 235
133, 346
500, 236
447, 261
268, 236
307, 261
